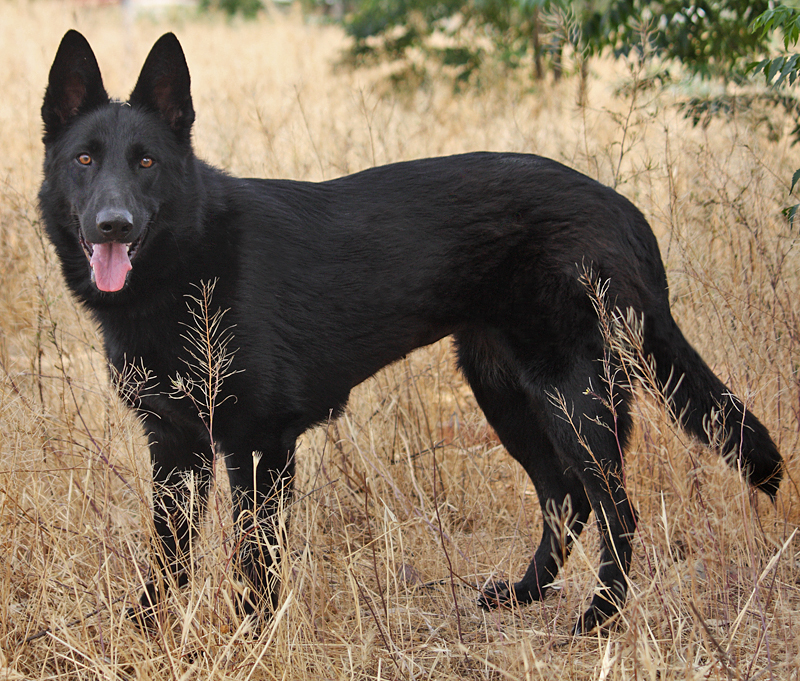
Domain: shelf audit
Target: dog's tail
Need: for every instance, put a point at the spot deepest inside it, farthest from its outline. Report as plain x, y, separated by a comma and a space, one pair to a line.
705, 407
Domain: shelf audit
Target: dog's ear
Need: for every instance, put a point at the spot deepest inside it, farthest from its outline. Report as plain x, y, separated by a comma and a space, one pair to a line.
164, 85
75, 85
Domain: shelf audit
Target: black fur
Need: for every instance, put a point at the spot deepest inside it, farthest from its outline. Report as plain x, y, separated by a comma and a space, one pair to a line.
326, 283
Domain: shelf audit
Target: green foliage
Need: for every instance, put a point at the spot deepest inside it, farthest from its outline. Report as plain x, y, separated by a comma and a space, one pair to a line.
711, 38
786, 19
402, 23
785, 68
511, 29
247, 8
782, 70
701, 110
375, 17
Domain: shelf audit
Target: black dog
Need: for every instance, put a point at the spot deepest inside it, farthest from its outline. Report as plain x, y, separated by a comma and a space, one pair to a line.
324, 284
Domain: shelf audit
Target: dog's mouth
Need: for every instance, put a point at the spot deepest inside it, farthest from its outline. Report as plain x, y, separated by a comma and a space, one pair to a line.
110, 261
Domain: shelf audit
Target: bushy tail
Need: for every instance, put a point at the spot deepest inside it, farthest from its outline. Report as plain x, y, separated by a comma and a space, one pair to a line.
703, 405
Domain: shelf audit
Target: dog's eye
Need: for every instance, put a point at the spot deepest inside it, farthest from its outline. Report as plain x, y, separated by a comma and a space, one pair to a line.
85, 159
146, 162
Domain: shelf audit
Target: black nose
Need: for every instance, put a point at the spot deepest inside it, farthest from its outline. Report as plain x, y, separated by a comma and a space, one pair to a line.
114, 224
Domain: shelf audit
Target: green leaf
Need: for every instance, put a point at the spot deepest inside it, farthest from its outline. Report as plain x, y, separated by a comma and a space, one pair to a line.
795, 179
758, 66
775, 66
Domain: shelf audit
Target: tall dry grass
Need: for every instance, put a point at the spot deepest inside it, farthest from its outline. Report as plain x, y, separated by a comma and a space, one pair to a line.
407, 504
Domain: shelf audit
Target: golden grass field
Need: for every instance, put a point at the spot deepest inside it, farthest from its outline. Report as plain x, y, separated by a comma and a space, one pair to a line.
387, 551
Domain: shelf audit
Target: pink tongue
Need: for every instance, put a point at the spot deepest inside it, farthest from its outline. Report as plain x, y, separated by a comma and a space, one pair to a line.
110, 263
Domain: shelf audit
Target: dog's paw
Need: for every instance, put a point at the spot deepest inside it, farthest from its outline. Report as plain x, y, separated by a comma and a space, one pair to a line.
497, 595
505, 595
146, 613
600, 618
144, 617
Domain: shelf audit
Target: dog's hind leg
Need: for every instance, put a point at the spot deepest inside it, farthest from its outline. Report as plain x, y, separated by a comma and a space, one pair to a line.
590, 428
569, 434
520, 426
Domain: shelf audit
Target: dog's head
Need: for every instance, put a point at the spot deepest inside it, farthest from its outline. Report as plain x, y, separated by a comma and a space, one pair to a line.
109, 165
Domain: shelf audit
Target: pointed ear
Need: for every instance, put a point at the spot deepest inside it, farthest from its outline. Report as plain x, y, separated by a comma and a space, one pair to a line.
164, 85
75, 85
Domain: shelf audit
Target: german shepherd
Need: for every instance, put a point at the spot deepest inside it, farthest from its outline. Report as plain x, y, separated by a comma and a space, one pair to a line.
323, 284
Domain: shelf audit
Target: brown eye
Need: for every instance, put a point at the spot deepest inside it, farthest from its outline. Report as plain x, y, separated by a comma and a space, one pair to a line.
85, 160
146, 162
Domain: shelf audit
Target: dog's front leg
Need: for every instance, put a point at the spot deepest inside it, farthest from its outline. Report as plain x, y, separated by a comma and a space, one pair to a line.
261, 484
180, 458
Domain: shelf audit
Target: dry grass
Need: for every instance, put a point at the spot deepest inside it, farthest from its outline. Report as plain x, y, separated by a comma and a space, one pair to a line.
387, 548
